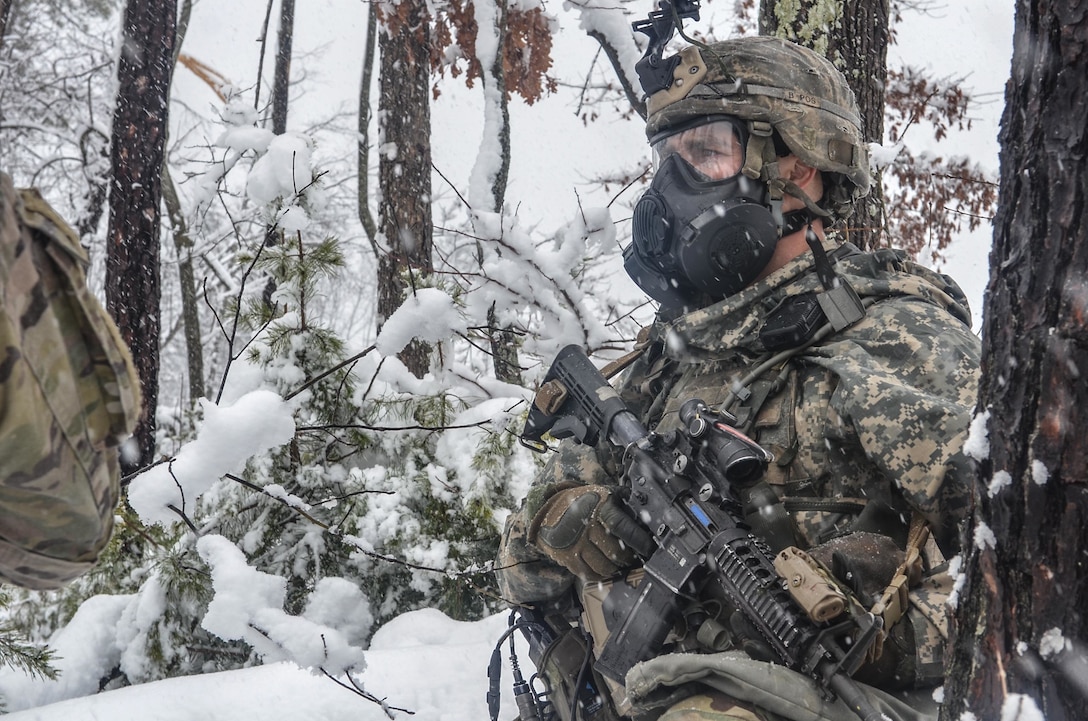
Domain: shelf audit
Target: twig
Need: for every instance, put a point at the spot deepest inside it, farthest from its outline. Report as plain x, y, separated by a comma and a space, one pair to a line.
625, 188
415, 427
355, 688
452, 186
330, 371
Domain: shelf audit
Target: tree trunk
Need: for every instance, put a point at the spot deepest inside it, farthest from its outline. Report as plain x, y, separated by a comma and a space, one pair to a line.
363, 154
136, 157
281, 87
1020, 625
503, 339
281, 81
94, 148
853, 34
183, 245
190, 315
404, 167
5, 15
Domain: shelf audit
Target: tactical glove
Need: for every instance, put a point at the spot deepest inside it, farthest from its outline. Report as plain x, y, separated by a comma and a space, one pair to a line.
866, 563
587, 530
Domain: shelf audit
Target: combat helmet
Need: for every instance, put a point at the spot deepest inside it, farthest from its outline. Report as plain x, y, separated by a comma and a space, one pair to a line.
719, 117
778, 87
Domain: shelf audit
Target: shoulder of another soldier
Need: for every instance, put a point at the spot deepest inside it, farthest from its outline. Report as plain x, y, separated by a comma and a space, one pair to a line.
36, 213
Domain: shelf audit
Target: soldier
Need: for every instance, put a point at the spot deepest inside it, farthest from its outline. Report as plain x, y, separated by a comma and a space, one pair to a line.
857, 371
68, 396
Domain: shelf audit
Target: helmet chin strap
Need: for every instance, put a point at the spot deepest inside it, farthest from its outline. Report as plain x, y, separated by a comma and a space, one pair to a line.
761, 163
795, 220
795, 190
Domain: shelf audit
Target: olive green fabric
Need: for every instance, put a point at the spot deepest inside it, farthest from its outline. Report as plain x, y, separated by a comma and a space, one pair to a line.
779, 693
68, 395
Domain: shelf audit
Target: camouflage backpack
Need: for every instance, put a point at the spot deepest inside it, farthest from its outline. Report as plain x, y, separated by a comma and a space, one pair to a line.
68, 396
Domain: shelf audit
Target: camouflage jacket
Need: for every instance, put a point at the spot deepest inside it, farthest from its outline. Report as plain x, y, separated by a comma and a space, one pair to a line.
877, 412
68, 396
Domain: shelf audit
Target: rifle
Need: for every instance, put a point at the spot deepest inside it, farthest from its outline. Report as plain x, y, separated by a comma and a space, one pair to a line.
682, 488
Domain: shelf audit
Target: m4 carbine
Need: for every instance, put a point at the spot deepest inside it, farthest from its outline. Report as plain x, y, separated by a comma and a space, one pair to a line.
682, 488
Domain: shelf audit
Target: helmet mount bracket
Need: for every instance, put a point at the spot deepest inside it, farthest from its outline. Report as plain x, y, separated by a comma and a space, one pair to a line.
655, 73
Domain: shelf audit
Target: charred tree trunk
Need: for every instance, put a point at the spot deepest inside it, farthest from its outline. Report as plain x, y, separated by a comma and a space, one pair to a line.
281, 80
1020, 624
136, 157
853, 34
404, 167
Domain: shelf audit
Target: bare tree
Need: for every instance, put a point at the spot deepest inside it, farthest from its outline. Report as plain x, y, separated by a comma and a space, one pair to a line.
1020, 626
138, 143
55, 90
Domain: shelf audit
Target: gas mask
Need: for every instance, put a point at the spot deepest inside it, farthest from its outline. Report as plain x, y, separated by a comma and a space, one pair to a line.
703, 230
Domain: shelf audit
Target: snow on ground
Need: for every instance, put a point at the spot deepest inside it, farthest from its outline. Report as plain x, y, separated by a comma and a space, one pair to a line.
422, 661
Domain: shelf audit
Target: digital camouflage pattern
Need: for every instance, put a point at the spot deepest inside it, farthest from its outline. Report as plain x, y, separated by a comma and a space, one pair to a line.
866, 426
68, 395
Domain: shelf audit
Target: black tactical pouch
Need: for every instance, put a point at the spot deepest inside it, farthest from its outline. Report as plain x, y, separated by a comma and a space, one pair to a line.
792, 323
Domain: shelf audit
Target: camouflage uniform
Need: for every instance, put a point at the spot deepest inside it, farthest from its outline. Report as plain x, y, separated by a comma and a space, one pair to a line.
876, 412
68, 394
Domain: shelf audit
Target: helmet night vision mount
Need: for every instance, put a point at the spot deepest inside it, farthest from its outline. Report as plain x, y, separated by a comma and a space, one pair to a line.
655, 73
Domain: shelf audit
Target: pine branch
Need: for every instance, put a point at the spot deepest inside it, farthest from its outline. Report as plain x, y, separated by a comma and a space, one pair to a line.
33, 660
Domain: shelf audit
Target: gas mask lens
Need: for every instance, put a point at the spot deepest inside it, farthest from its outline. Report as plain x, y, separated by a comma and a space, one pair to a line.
714, 149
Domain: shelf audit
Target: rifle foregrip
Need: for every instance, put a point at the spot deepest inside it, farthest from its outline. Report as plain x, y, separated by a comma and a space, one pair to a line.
643, 630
